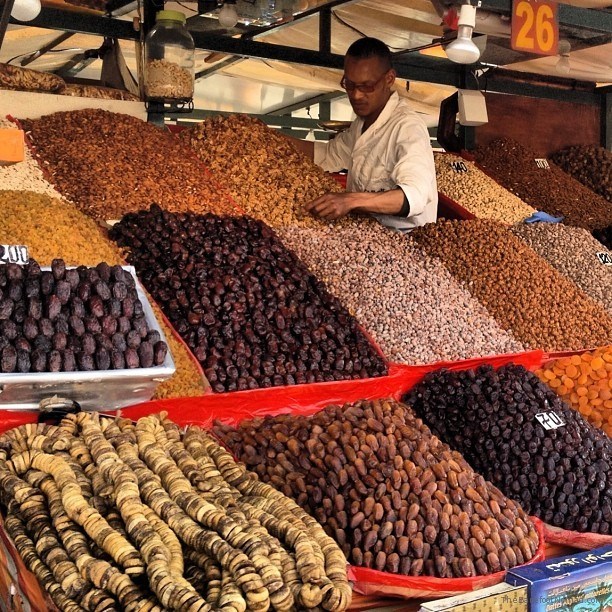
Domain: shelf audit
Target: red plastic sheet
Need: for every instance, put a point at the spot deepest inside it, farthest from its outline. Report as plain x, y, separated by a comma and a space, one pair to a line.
449, 209
232, 408
372, 582
575, 539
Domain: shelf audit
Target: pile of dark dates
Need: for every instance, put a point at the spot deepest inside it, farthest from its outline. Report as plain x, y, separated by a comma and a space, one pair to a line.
248, 308
64, 320
524, 439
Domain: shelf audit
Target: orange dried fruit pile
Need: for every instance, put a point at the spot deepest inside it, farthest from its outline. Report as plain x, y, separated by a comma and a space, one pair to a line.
585, 383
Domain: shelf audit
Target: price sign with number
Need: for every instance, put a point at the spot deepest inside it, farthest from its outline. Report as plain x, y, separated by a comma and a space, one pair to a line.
13, 253
535, 26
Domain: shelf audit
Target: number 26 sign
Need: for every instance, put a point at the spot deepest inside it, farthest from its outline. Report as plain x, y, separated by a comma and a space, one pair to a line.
535, 26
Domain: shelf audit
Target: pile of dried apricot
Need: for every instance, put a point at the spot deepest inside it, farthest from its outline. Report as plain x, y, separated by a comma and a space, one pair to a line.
585, 383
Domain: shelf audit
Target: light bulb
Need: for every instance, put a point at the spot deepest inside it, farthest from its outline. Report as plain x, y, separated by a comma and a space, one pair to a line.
563, 65
463, 50
228, 16
26, 10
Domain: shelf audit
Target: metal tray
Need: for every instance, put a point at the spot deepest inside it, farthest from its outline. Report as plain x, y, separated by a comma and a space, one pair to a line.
98, 390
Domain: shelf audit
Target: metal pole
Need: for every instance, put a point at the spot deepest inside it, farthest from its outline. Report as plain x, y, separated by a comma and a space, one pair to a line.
325, 30
7, 7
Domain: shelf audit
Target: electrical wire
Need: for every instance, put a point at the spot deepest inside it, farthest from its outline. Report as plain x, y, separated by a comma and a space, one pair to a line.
399, 50
185, 6
36, 54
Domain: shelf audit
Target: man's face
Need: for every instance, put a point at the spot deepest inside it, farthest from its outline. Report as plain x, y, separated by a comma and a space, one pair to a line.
367, 84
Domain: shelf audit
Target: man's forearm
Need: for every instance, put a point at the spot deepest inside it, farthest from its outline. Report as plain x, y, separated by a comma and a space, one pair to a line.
304, 146
382, 203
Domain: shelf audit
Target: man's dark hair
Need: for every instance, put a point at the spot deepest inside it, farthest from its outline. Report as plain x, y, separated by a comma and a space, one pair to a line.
365, 48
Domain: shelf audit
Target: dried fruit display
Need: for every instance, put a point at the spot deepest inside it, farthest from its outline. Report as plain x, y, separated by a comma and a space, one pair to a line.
391, 494
573, 252
52, 228
25, 79
541, 307
26, 175
524, 439
585, 383
63, 320
549, 189
462, 181
43, 222
272, 181
604, 236
386, 282
109, 164
590, 165
249, 309
114, 515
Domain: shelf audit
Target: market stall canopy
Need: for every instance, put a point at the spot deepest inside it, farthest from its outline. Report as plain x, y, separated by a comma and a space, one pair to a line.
265, 63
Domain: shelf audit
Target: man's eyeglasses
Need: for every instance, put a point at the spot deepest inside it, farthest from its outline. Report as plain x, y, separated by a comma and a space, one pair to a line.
349, 86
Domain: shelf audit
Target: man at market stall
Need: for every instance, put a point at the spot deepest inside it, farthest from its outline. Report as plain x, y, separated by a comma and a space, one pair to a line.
387, 151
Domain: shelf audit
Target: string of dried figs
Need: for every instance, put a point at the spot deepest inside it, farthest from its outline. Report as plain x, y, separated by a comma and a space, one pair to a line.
525, 440
68, 319
115, 515
248, 308
389, 492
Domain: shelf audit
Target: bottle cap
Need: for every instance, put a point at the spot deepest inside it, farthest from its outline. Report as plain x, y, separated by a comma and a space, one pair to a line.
170, 16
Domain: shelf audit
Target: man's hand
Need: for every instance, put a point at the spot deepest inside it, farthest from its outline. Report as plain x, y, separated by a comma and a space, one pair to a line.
331, 206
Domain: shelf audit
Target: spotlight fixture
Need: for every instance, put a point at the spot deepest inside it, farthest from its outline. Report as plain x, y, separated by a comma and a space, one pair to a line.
228, 16
26, 10
463, 50
563, 65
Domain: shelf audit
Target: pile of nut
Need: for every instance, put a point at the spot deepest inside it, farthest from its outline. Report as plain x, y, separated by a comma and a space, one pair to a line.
542, 307
248, 308
114, 515
25, 175
548, 189
413, 307
390, 493
524, 439
573, 252
272, 181
62, 320
589, 164
42, 224
167, 80
462, 181
109, 164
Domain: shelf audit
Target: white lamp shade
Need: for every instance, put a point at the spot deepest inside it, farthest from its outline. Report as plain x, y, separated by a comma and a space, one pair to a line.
26, 10
563, 65
228, 16
463, 50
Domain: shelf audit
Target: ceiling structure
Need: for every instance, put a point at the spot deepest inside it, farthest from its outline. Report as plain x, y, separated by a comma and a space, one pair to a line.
286, 55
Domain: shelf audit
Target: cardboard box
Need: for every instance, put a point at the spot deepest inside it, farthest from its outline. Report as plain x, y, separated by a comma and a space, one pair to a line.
580, 582
12, 146
498, 598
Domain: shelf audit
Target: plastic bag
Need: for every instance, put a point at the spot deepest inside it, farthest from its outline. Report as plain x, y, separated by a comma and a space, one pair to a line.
575, 539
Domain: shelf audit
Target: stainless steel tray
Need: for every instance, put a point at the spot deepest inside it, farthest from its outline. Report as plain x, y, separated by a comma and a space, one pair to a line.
99, 390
